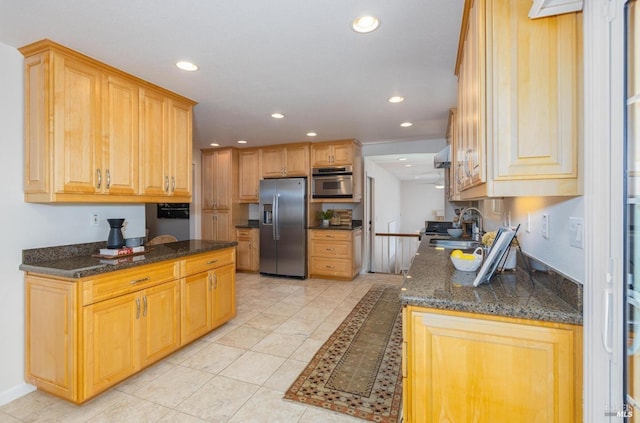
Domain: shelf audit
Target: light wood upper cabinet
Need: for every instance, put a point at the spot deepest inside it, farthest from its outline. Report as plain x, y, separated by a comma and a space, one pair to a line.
289, 160
249, 178
463, 367
121, 136
217, 178
333, 153
165, 146
519, 102
92, 132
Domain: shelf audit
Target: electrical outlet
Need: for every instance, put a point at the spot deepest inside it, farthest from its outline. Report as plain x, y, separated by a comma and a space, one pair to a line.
93, 220
546, 225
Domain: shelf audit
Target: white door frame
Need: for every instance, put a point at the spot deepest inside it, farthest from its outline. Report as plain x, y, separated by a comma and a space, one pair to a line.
603, 203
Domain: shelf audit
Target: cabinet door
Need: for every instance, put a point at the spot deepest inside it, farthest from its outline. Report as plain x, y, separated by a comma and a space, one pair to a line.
222, 179
342, 154
224, 295
208, 227
160, 320
196, 306
321, 155
297, 161
467, 369
111, 343
243, 252
153, 143
249, 164
76, 127
208, 162
543, 86
273, 162
179, 149
120, 115
222, 220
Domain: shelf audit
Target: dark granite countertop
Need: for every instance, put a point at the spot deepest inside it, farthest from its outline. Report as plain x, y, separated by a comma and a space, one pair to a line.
355, 224
75, 261
433, 281
251, 224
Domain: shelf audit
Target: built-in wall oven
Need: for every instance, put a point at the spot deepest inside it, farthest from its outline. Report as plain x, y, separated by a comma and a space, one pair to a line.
332, 182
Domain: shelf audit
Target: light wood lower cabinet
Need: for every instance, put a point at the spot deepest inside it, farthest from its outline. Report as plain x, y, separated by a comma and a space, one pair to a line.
462, 367
85, 335
335, 253
209, 293
248, 249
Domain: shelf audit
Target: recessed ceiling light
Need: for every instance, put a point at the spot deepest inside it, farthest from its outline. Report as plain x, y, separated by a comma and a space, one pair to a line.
187, 66
277, 115
406, 124
438, 186
311, 134
241, 142
408, 165
365, 24
214, 144
402, 159
396, 99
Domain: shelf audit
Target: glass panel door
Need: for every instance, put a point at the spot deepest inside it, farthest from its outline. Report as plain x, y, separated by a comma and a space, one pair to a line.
632, 218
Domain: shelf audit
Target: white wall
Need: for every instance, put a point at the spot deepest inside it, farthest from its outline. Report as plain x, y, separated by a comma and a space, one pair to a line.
33, 225
387, 204
419, 202
555, 251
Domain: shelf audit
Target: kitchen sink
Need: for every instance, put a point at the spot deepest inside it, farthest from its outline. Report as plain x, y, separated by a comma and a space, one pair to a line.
454, 243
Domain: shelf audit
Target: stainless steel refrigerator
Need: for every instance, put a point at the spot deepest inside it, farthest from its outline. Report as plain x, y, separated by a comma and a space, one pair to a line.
283, 227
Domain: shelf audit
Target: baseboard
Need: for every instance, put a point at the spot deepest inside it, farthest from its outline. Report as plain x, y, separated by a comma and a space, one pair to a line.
15, 393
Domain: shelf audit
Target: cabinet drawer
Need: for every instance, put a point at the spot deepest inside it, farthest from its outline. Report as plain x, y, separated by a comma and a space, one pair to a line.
330, 267
204, 262
243, 233
329, 234
124, 281
339, 249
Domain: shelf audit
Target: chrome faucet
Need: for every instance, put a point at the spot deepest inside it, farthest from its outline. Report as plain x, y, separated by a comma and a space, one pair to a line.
476, 232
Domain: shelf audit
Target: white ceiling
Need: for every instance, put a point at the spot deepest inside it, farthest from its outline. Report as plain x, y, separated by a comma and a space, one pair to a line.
257, 57
411, 167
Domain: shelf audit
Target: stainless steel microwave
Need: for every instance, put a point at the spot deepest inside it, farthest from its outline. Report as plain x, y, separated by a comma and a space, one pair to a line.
332, 182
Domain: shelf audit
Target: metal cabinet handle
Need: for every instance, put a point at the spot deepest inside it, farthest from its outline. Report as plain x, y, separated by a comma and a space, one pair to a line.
99, 178
166, 184
133, 282
329, 249
108, 179
329, 267
210, 283
137, 308
215, 281
144, 313
212, 261
173, 184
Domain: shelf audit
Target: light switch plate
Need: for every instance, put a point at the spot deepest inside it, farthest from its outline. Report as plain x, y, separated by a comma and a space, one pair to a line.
576, 232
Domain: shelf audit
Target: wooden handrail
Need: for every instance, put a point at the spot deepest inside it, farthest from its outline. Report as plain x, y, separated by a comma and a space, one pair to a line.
399, 235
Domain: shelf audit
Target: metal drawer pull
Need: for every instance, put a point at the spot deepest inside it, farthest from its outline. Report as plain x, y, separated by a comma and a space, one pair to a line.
329, 249
139, 280
329, 267
137, 308
212, 261
144, 313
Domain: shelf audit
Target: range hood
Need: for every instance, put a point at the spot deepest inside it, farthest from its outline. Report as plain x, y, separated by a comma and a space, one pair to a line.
443, 158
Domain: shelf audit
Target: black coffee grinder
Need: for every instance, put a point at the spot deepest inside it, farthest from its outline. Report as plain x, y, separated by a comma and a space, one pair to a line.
115, 239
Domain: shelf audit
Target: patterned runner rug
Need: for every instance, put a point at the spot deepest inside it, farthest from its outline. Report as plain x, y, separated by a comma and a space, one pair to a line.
358, 369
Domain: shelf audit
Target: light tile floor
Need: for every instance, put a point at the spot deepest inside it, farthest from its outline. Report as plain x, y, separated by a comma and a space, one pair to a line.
237, 373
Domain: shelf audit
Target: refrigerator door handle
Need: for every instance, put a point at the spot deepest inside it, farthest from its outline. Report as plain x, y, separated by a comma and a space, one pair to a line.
276, 217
